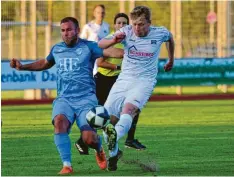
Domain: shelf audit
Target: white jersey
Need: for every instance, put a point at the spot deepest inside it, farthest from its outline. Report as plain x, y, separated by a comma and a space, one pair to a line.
141, 53
95, 32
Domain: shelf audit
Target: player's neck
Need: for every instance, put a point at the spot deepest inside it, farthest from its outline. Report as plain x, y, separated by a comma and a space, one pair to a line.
99, 22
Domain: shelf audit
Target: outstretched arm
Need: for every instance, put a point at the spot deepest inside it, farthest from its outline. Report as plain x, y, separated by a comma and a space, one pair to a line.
101, 62
105, 43
38, 65
113, 53
170, 49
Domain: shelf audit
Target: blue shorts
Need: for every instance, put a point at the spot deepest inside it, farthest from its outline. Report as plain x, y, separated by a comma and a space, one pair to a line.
74, 110
136, 92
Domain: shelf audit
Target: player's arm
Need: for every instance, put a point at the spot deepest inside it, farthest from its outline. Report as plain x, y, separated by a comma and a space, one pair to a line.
170, 45
105, 43
101, 62
38, 65
112, 52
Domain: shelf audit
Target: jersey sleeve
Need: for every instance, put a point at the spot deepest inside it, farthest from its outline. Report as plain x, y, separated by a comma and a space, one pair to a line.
166, 34
96, 51
50, 57
84, 32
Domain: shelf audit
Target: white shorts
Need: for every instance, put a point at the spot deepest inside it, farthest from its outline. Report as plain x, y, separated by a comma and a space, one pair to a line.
136, 92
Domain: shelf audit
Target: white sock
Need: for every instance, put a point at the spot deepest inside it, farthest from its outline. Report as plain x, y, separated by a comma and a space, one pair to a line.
105, 136
114, 151
123, 126
68, 164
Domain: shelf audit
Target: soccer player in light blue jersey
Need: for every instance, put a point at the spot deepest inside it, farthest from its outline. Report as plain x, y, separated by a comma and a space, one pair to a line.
74, 59
137, 79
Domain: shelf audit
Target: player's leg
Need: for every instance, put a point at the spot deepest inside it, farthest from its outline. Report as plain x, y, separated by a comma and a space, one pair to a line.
103, 87
63, 118
115, 153
131, 142
129, 111
136, 97
114, 105
89, 135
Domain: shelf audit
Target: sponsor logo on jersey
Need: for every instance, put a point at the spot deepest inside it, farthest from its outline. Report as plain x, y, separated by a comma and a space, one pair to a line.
134, 53
69, 64
79, 51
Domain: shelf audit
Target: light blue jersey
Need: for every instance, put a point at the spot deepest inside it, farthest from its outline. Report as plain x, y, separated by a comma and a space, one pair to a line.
75, 67
141, 53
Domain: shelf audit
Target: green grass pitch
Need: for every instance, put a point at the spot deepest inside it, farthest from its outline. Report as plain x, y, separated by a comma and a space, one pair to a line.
191, 138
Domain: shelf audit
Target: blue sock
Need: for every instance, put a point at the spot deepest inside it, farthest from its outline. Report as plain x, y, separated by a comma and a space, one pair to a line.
63, 144
99, 144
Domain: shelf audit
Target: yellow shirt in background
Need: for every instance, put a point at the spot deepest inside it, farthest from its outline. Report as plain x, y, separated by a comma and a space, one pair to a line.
116, 61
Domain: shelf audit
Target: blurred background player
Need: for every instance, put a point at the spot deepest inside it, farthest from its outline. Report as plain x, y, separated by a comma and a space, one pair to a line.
75, 89
108, 71
96, 29
137, 79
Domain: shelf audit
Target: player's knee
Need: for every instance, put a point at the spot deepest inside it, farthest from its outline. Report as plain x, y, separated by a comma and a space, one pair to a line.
90, 138
61, 124
113, 120
130, 109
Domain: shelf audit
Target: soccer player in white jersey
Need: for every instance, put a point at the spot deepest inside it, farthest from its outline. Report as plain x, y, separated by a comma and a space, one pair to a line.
96, 29
73, 59
137, 80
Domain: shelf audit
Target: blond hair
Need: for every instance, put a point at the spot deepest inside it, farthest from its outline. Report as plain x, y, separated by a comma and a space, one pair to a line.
139, 11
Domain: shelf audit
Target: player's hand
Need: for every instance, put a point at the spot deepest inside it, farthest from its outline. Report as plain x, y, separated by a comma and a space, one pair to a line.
16, 64
168, 66
119, 37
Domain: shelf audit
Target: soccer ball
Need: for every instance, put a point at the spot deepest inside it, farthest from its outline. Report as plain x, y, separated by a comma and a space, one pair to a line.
98, 117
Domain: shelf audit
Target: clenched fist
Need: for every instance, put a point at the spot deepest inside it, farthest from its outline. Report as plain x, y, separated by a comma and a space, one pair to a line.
16, 64
168, 66
119, 37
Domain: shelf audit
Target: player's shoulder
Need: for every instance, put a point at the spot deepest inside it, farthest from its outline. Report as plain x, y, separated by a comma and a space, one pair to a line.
89, 24
106, 24
85, 41
58, 46
158, 28
88, 43
126, 29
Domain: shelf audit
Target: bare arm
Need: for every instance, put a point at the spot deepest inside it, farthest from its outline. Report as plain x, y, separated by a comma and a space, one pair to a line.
84, 33
170, 49
105, 43
101, 62
113, 53
38, 65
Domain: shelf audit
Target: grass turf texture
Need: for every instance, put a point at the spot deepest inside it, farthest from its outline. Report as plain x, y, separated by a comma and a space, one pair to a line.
183, 138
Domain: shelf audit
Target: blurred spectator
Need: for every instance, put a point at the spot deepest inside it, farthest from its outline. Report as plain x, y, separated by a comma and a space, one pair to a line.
96, 29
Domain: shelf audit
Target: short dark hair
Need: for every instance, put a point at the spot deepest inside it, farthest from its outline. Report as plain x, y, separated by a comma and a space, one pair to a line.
121, 15
99, 5
70, 19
